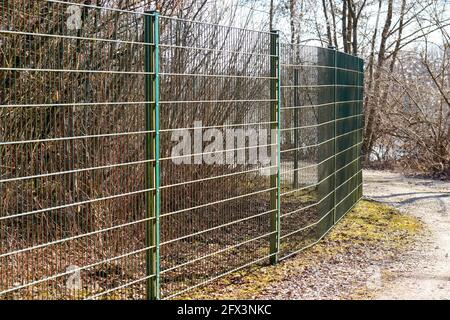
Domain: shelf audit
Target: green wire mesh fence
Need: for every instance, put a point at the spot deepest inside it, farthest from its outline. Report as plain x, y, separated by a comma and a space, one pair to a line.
143, 156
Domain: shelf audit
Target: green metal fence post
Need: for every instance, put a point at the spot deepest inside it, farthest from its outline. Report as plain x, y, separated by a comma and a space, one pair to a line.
335, 135
152, 197
361, 122
296, 125
275, 104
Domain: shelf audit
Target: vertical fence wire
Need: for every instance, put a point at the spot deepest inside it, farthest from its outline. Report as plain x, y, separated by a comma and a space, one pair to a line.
122, 174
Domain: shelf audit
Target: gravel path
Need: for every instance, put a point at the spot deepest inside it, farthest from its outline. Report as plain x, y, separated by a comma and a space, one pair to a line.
382, 270
429, 200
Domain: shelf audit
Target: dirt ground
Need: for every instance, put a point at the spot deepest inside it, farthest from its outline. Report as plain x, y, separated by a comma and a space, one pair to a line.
427, 275
375, 252
421, 271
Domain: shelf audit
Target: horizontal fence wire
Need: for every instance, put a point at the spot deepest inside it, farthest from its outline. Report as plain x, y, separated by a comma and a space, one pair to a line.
123, 171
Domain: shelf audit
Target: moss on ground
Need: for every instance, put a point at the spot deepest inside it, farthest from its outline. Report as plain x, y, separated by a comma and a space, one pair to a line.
369, 224
372, 222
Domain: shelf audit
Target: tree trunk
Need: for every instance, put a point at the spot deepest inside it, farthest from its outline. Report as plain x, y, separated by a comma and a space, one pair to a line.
372, 112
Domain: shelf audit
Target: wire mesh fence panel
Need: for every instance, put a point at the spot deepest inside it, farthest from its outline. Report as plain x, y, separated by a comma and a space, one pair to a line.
142, 156
215, 196
72, 189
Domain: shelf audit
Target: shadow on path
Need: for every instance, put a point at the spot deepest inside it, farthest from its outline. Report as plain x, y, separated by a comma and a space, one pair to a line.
432, 196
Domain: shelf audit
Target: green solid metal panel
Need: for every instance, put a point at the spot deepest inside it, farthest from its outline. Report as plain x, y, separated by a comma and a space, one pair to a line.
348, 132
325, 132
